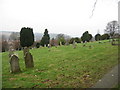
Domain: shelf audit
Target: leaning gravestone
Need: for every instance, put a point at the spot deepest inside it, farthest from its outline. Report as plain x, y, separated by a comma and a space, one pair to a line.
28, 60
14, 64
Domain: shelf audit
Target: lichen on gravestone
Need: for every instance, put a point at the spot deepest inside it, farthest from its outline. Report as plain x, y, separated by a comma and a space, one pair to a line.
14, 64
29, 60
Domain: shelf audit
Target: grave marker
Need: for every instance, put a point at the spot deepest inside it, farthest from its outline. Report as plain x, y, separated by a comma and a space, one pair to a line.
14, 64
60, 43
74, 44
28, 60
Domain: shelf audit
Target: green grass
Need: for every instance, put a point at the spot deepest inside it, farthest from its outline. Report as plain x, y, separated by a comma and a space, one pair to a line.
62, 67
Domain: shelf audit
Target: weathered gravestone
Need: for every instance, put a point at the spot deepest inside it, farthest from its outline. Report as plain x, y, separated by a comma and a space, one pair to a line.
45, 45
49, 46
60, 43
28, 60
74, 44
14, 64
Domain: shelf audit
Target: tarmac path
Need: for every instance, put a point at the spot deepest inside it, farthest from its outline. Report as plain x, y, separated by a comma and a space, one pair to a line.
109, 80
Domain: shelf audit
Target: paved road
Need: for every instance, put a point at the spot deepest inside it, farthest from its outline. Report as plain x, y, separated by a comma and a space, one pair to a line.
109, 80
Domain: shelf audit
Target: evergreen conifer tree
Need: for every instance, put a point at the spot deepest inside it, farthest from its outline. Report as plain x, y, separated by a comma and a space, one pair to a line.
45, 39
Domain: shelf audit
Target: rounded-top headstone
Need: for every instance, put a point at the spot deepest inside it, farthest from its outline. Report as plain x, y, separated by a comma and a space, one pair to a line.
29, 60
14, 64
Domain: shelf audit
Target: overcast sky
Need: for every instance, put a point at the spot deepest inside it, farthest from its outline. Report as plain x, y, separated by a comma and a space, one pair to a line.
71, 17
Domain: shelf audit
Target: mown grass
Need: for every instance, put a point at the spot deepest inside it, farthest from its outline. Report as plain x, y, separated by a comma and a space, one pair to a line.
62, 67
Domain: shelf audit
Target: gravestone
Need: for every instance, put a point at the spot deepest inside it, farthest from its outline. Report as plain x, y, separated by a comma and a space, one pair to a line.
45, 45
14, 64
28, 60
49, 46
74, 44
85, 42
60, 43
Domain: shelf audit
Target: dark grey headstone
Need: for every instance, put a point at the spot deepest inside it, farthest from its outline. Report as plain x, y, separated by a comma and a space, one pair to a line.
28, 60
14, 64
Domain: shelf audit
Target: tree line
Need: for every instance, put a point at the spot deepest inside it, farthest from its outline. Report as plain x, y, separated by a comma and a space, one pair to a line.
27, 38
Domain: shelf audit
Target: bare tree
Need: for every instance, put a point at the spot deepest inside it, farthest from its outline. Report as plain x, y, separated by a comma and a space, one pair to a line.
112, 28
14, 36
3, 38
93, 8
61, 39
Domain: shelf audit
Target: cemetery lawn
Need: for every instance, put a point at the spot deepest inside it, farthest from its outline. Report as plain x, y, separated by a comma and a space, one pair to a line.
62, 67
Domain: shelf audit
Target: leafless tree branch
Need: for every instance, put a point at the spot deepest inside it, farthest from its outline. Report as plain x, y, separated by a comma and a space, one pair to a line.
93, 8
